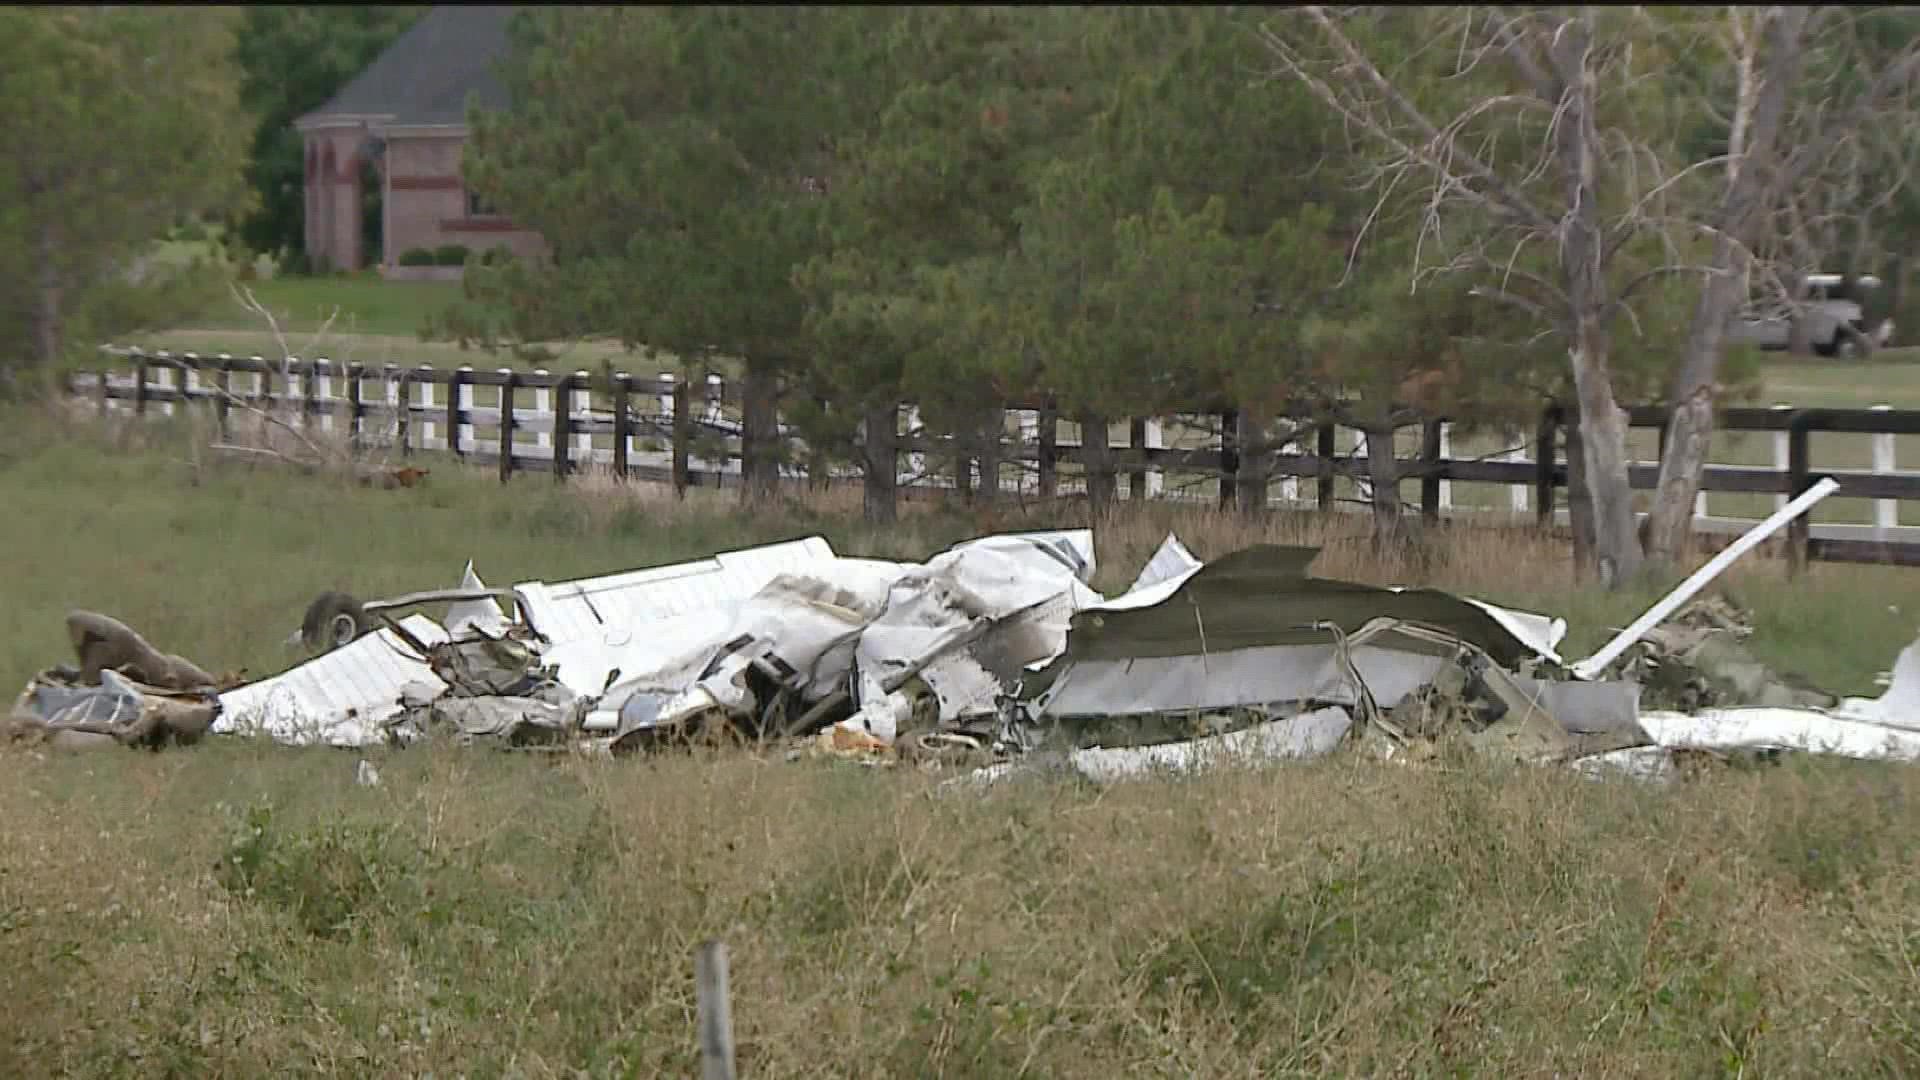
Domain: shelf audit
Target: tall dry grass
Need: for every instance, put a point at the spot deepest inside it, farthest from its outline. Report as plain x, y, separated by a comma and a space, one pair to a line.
242, 910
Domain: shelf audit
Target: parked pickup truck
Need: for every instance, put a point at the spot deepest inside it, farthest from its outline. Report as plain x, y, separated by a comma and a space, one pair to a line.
1835, 323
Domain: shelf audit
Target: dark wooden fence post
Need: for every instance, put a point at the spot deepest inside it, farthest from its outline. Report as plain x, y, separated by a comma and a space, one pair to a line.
390, 391
403, 416
993, 431
1545, 437
310, 392
140, 386
682, 435
222, 400
189, 362
1798, 479
563, 426
622, 422
509, 387
961, 444
356, 408
1430, 478
1049, 450
455, 380
819, 469
1325, 450
1229, 458
1137, 469
1096, 461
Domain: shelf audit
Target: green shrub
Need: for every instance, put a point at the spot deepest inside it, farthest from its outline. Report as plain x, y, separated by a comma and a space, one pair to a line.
416, 257
450, 255
496, 256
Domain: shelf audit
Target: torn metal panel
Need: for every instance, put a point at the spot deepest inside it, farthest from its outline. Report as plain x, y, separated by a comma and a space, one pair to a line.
628, 603
510, 721
1596, 708
1028, 593
1900, 705
1541, 633
1726, 730
1072, 548
482, 614
1653, 763
1307, 735
341, 698
1265, 675
1171, 560
1262, 596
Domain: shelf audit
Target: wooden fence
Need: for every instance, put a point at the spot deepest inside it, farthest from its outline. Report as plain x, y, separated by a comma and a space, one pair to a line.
661, 429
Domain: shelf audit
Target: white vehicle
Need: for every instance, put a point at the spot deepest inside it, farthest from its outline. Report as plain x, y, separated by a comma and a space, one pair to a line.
1835, 323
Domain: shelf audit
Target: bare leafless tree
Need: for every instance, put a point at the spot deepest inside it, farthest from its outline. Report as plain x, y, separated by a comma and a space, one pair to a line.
1529, 183
1544, 143
1793, 136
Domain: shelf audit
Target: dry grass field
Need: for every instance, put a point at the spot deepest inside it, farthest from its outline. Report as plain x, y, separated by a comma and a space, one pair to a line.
240, 909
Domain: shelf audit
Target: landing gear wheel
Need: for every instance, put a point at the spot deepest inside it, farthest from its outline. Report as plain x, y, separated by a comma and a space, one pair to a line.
333, 619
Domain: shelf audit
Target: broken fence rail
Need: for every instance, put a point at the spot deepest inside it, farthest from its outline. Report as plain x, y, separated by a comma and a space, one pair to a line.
674, 443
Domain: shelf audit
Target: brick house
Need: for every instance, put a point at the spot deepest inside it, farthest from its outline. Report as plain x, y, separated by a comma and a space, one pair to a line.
402, 124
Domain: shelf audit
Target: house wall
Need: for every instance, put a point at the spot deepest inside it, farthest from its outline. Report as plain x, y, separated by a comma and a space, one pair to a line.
332, 194
427, 203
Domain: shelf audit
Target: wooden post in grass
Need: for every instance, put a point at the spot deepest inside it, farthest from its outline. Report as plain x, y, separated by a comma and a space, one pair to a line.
622, 423
1430, 455
1799, 479
562, 428
455, 381
1049, 451
1229, 458
715, 1012
1327, 451
403, 415
424, 374
1545, 437
140, 385
1137, 470
509, 384
356, 408
682, 436
220, 405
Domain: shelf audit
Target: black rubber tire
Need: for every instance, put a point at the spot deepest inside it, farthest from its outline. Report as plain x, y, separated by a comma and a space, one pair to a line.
333, 620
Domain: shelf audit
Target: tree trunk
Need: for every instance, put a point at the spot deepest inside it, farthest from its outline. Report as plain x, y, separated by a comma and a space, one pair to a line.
1579, 501
1256, 461
1583, 244
990, 433
48, 301
881, 462
760, 432
1603, 452
1383, 473
1097, 462
819, 459
962, 443
1690, 428
682, 434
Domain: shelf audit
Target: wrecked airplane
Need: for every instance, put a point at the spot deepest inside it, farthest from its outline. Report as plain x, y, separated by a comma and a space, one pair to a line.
997, 650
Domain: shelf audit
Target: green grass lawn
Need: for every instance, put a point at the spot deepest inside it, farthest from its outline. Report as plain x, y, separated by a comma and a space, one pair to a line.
238, 908
367, 304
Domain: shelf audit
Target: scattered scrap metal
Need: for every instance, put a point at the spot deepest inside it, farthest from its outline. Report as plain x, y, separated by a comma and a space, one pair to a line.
124, 692
994, 657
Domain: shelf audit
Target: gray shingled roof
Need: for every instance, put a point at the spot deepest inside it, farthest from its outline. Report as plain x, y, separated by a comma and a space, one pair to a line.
424, 77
